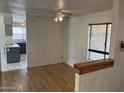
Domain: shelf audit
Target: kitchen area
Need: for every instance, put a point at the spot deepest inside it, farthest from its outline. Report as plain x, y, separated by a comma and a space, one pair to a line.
13, 43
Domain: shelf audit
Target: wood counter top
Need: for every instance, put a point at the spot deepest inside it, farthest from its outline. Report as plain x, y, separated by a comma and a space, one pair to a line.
90, 66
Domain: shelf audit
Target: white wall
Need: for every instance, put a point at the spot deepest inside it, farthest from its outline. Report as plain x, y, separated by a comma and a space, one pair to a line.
111, 79
78, 34
45, 41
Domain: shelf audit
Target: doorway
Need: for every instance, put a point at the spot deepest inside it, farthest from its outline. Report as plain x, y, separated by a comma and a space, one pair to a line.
14, 46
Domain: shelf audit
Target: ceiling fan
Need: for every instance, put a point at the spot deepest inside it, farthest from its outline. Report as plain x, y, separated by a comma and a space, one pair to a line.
60, 15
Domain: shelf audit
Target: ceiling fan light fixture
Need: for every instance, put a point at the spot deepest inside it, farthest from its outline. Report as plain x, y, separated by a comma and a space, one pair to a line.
60, 19
55, 19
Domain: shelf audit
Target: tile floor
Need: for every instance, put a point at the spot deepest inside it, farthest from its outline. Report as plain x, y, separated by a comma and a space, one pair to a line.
14, 66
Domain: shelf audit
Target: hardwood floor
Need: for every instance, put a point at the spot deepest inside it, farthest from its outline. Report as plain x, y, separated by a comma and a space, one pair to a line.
51, 78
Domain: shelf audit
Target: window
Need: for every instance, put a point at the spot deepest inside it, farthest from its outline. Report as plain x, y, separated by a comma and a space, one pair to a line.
99, 41
19, 33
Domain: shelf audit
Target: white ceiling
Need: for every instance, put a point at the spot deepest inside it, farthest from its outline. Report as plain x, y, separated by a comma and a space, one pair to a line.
45, 7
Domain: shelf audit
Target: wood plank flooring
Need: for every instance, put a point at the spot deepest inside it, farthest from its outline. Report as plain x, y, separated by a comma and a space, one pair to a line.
52, 78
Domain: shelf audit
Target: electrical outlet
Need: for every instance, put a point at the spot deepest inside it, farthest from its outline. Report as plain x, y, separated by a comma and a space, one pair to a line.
61, 57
